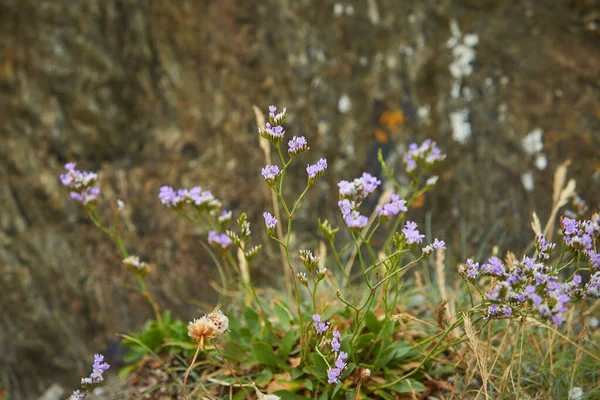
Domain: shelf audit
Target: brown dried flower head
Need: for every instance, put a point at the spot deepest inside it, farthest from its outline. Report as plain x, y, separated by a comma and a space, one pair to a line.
208, 327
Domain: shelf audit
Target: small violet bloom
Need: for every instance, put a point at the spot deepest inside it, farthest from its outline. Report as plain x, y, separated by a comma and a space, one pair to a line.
316, 170
297, 145
411, 234
320, 327
270, 222
270, 173
220, 241
394, 207
437, 244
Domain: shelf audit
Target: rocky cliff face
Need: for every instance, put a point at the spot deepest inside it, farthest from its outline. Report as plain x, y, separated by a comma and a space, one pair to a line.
160, 92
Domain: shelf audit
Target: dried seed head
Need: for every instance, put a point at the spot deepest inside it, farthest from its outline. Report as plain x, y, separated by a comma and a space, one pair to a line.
220, 320
365, 373
201, 329
208, 327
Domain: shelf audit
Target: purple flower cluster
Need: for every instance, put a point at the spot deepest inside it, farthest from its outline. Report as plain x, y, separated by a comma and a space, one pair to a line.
470, 270
81, 184
270, 173
359, 188
351, 197
583, 235
354, 220
315, 171
270, 222
335, 341
195, 196
273, 130
277, 119
333, 374
592, 288
297, 145
219, 241
98, 368
77, 395
320, 327
544, 248
394, 207
528, 284
411, 233
427, 154
437, 244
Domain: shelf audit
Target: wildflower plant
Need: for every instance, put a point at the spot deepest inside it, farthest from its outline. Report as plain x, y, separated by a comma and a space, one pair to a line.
333, 334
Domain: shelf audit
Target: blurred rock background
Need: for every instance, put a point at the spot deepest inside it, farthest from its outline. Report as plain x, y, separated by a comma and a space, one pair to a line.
161, 92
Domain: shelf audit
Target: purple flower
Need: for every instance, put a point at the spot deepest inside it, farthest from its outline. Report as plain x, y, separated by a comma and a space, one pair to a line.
270, 173
333, 375
87, 196
426, 154
594, 260
276, 118
77, 180
297, 145
493, 267
337, 335
437, 244
335, 344
98, 368
316, 170
394, 207
99, 365
593, 286
270, 222
470, 269
224, 217
359, 188
168, 196
356, 221
347, 206
76, 395
544, 248
570, 226
320, 327
411, 234
220, 241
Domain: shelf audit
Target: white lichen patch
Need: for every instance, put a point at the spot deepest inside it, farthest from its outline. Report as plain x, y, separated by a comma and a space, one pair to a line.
528, 181
461, 127
344, 104
541, 162
463, 51
532, 143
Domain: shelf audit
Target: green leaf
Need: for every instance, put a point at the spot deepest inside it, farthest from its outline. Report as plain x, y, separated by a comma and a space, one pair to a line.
384, 395
319, 366
234, 351
123, 372
264, 377
252, 319
407, 386
284, 315
336, 389
309, 384
264, 353
364, 340
287, 343
297, 372
183, 345
372, 322
325, 395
